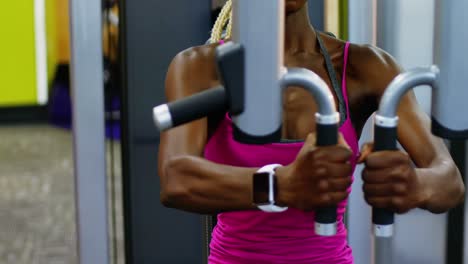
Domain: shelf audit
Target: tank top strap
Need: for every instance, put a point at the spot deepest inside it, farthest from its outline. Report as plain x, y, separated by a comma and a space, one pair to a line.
344, 89
334, 80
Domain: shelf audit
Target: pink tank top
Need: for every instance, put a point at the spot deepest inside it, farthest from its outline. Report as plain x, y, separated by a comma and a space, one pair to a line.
255, 237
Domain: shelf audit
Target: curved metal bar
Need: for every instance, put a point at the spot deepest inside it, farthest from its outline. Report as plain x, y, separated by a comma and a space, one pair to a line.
402, 84
313, 84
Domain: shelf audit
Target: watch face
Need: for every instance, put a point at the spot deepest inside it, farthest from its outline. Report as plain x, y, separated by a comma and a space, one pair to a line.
261, 182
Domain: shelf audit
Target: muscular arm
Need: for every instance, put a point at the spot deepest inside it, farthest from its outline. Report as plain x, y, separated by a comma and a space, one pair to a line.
188, 181
437, 179
437, 171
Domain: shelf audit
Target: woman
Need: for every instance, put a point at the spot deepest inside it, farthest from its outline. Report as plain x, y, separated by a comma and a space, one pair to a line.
203, 170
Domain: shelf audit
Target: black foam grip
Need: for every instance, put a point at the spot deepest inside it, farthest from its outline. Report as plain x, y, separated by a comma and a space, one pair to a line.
382, 216
198, 106
326, 215
327, 135
385, 138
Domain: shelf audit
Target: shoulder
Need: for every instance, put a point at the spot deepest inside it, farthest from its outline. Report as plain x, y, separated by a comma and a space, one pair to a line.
191, 71
372, 67
195, 55
334, 45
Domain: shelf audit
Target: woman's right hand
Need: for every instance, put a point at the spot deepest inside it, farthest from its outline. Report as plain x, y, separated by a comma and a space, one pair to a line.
319, 177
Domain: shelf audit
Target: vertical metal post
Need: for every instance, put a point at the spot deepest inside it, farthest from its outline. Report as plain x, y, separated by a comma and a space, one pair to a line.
362, 30
259, 27
449, 104
362, 24
465, 213
88, 131
450, 54
362, 14
456, 236
387, 26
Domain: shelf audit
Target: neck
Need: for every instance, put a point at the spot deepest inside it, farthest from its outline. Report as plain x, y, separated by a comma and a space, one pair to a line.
299, 35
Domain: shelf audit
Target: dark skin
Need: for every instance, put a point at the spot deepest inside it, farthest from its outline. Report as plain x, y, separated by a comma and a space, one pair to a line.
319, 176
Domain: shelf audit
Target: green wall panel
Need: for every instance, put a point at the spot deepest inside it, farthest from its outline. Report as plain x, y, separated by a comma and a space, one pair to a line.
344, 17
17, 53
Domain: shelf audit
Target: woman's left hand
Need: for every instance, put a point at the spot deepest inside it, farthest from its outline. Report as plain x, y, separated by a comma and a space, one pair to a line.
391, 181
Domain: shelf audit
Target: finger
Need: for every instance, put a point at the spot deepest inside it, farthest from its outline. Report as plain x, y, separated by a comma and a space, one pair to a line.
393, 204
333, 154
336, 153
340, 185
335, 170
342, 141
397, 174
378, 202
311, 140
381, 176
382, 190
334, 185
374, 177
333, 198
377, 190
309, 145
365, 151
385, 159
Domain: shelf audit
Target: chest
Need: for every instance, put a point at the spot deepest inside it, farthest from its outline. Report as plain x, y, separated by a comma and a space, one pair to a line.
299, 106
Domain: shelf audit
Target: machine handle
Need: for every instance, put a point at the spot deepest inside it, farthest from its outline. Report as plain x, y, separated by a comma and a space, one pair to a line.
386, 123
385, 139
327, 120
186, 110
326, 218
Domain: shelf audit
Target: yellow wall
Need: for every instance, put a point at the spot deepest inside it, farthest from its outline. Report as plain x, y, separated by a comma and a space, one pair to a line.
336, 18
17, 53
332, 19
51, 32
63, 32
110, 33
17, 48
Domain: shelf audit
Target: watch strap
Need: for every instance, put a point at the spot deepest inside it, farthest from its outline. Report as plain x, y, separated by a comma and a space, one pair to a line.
271, 208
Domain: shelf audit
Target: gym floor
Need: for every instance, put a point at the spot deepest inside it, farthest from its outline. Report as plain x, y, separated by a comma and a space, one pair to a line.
37, 203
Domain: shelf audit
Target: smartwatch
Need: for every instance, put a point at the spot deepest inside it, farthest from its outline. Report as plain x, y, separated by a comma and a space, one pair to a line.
265, 189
